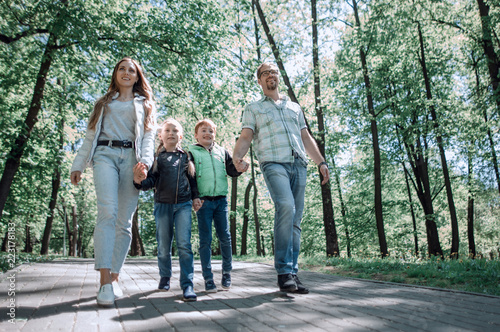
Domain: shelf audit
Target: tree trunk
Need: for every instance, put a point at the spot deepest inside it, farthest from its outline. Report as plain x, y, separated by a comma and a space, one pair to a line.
332, 244
479, 105
449, 193
410, 200
412, 211
494, 158
14, 157
232, 214
470, 209
74, 237
136, 247
260, 246
68, 231
56, 182
489, 50
27, 242
244, 231
343, 209
418, 162
5, 241
256, 28
379, 217
80, 242
257, 237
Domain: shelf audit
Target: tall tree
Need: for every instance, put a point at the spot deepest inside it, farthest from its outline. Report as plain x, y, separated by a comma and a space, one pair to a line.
343, 209
74, 233
377, 177
470, 207
486, 118
136, 246
439, 138
260, 245
246, 211
418, 160
14, 157
232, 214
332, 244
56, 181
489, 50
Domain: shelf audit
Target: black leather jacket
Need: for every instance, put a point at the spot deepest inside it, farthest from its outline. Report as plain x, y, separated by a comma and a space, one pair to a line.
169, 176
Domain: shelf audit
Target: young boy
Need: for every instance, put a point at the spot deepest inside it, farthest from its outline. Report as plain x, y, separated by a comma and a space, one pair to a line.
213, 164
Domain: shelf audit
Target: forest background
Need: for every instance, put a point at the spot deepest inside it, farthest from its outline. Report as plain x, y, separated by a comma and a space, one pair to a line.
402, 97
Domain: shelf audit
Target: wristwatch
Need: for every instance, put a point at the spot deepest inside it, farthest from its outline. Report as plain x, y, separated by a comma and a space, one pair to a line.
322, 163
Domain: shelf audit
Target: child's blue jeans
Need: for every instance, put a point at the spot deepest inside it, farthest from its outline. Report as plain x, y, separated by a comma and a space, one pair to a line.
217, 211
170, 217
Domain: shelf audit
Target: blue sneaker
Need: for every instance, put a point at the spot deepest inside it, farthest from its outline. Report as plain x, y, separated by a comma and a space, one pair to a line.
210, 286
188, 294
164, 284
226, 280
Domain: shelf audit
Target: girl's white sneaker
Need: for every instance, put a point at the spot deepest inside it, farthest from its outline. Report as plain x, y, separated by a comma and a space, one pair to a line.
105, 297
116, 289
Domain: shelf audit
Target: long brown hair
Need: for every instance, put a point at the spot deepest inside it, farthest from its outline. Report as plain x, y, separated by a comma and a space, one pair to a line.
141, 87
191, 167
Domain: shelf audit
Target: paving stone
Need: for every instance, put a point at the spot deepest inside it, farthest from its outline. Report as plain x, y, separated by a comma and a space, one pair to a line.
60, 296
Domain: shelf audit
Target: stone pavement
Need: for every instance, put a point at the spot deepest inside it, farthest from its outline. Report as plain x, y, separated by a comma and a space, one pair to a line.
60, 296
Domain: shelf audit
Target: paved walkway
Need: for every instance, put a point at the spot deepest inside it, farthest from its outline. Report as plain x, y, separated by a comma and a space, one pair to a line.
60, 296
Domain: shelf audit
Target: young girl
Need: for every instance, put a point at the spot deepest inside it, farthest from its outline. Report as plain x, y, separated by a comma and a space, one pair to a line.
119, 135
173, 177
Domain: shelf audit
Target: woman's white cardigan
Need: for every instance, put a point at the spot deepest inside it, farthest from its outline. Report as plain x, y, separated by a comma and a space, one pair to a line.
144, 140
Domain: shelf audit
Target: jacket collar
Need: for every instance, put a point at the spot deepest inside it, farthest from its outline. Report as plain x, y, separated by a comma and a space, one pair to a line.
164, 150
282, 97
209, 148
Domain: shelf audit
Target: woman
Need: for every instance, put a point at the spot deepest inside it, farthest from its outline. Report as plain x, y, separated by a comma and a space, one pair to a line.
120, 135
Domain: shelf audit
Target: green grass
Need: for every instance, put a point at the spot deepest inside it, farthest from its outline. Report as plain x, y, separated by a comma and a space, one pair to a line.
6, 262
471, 275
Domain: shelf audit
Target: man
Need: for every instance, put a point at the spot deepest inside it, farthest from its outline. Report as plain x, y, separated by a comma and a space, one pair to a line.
281, 142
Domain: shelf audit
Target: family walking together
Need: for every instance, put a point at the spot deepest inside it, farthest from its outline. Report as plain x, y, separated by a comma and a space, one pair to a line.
120, 146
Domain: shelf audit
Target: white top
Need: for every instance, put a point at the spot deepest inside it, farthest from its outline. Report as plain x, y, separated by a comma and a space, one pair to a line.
119, 121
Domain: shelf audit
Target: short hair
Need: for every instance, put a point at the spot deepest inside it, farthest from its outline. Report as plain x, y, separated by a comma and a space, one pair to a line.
269, 63
205, 122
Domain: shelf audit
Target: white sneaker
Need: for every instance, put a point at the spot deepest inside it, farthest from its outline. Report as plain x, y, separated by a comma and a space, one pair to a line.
105, 297
116, 289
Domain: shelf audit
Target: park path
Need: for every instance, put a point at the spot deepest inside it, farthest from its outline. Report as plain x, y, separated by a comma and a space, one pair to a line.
60, 296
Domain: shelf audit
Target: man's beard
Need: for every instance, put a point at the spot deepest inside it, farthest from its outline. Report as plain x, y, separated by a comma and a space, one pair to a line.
272, 85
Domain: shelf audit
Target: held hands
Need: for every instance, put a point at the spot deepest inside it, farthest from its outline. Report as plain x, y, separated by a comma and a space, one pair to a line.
140, 172
197, 204
240, 165
76, 176
325, 173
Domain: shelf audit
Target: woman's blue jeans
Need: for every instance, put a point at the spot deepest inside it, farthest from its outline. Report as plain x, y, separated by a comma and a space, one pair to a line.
217, 211
116, 203
286, 183
170, 217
